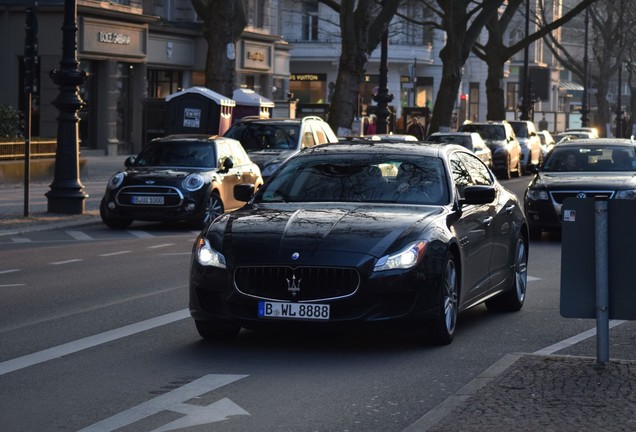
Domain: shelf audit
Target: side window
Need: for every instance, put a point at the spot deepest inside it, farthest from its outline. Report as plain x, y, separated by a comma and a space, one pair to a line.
223, 151
461, 176
477, 170
238, 154
308, 137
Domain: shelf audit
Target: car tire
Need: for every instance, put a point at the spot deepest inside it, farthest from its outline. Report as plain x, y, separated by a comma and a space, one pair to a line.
512, 300
445, 321
110, 221
519, 170
213, 209
217, 331
506, 173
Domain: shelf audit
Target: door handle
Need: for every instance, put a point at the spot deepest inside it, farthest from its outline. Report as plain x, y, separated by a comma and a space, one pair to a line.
510, 209
488, 220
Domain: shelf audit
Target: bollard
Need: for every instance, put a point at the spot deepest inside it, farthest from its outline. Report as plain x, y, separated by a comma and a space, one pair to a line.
602, 281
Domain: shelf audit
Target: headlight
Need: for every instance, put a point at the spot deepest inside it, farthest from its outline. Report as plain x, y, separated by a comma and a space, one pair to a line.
537, 194
206, 256
193, 182
269, 169
115, 181
404, 259
626, 194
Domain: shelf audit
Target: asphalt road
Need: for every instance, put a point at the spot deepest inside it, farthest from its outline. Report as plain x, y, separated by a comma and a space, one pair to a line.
95, 336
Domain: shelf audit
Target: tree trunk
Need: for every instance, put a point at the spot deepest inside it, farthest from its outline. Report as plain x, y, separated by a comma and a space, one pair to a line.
494, 93
448, 89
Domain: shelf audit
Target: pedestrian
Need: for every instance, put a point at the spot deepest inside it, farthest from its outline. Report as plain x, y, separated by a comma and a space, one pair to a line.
416, 129
370, 126
543, 124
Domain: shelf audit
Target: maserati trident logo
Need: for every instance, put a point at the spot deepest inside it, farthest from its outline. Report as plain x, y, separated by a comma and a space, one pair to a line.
295, 256
150, 182
293, 285
581, 195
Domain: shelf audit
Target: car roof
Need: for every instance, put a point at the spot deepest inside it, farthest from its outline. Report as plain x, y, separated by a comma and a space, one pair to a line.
191, 137
275, 120
408, 147
586, 142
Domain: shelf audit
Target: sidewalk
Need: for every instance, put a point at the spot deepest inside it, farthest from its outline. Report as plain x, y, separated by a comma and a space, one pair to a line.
521, 392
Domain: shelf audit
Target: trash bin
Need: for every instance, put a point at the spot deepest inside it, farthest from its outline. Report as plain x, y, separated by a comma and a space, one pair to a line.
249, 103
198, 110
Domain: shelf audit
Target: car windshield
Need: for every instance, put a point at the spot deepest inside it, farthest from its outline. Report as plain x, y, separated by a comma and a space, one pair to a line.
398, 179
591, 158
520, 128
177, 153
461, 140
261, 136
487, 132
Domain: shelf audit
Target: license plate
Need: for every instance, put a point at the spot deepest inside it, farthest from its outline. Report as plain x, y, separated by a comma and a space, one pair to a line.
301, 311
152, 200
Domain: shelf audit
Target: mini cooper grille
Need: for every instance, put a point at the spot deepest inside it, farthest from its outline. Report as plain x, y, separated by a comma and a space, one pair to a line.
296, 284
172, 197
560, 196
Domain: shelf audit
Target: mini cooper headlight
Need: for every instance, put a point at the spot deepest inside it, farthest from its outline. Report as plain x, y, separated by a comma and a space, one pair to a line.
116, 180
404, 259
206, 256
537, 194
193, 182
626, 194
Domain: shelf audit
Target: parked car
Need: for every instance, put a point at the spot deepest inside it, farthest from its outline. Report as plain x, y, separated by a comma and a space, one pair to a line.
269, 141
332, 240
583, 169
531, 151
179, 178
547, 142
504, 145
568, 136
590, 130
470, 140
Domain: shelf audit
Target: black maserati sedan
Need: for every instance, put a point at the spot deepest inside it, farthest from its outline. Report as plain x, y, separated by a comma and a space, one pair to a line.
179, 178
358, 233
581, 168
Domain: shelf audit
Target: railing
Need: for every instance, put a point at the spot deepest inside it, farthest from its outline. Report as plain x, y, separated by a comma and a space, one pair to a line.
14, 150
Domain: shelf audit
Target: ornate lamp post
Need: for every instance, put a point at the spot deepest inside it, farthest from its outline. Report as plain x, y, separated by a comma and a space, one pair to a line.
383, 97
525, 90
67, 193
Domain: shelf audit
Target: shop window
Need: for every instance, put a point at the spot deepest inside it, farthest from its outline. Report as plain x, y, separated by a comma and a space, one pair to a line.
473, 101
511, 96
256, 13
162, 83
310, 21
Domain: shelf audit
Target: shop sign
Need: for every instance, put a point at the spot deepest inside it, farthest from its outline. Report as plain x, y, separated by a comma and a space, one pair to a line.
308, 77
257, 56
115, 39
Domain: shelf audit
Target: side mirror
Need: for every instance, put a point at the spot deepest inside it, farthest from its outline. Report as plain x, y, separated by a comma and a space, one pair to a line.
243, 192
130, 160
226, 165
478, 195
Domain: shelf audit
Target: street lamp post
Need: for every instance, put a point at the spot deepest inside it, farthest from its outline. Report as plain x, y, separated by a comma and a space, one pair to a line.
525, 90
67, 194
585, 120
382, 98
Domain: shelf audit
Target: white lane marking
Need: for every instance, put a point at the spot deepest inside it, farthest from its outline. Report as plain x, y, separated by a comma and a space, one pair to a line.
114, 253
20, 240
11, 285
66, 262
160, 246
176, 253
532, 278
176, 401
79, 235
140, 234
89, 342
9, 271
575, 339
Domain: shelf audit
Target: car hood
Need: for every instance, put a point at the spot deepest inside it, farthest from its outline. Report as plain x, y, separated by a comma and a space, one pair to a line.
587, 180
271, 233
264, 157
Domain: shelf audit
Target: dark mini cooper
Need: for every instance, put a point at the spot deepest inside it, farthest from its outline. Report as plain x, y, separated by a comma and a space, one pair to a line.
179, 178
363, 232
583, 168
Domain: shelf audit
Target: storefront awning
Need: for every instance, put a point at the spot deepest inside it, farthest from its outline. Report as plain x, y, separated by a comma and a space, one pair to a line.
570, 86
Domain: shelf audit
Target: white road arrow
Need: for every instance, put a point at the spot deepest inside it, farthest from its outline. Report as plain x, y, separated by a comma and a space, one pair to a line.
175, 401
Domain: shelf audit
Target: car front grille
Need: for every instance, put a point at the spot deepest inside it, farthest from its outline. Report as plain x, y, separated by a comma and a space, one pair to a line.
172, 197
559, 196
296, 284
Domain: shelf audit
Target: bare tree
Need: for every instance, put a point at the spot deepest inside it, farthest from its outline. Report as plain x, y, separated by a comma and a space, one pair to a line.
362, 23
609, 24
495, 53
223, 23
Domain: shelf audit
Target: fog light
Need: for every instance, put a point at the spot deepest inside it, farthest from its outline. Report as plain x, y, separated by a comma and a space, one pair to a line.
190, 206
111, 205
